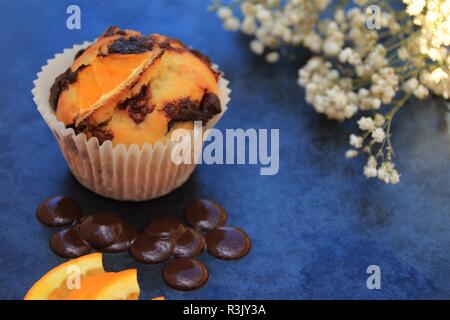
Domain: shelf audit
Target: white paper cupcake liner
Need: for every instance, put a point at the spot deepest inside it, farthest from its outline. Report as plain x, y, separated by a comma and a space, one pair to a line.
133, 173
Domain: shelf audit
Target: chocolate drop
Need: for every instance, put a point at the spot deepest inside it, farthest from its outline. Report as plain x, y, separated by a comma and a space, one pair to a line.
101, 229
205, 215
185, 274
228, 243
190, 243
58, 211
151, 250
127, 238
68, 244
164, 228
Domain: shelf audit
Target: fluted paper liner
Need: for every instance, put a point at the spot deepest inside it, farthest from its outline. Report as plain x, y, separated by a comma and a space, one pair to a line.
134, 173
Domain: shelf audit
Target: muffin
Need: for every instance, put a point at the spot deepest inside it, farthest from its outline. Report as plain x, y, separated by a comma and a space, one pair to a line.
113, 104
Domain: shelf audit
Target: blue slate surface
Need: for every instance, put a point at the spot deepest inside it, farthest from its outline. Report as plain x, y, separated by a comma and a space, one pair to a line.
315, 226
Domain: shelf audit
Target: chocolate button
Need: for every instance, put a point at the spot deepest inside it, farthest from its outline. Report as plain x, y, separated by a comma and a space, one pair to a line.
58, 211
228, 243
127, 238
185, 274
189, 244
205, 215
101, 229
151, 250
68, 244
164, 228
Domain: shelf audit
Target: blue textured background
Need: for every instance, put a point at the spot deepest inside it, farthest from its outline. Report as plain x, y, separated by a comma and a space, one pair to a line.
315, 226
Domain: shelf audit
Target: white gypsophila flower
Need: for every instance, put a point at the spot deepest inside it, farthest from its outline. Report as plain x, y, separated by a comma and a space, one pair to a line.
263, 15
438, 75
248, 9
433, 18
370, 103
275, 23
363, 93
383, 91
356, 141
370, 169
378, 135
403, 53
248, 25
224, 13
379, 119
441, 88
257, 47
312, 41
421, 92
351, 153
387, 173
383, 174
272, 57
355, 59
410, 85
345, 55
326, 91
395, 177
334, 38
339, 17
232, 24
366, 124
370, 172
331, 47
414, 7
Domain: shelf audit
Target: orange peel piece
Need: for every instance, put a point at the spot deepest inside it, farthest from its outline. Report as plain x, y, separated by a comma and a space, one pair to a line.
85, 279
52, 284
121, 285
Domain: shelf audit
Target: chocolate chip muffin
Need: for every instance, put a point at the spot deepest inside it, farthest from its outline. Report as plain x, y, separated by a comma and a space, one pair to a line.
113, 105
133, 89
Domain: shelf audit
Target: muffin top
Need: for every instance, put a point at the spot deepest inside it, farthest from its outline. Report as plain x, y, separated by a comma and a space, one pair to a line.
130, 88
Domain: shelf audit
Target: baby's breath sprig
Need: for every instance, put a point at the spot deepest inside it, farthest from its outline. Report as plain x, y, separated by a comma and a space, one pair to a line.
355, 69
272, 23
